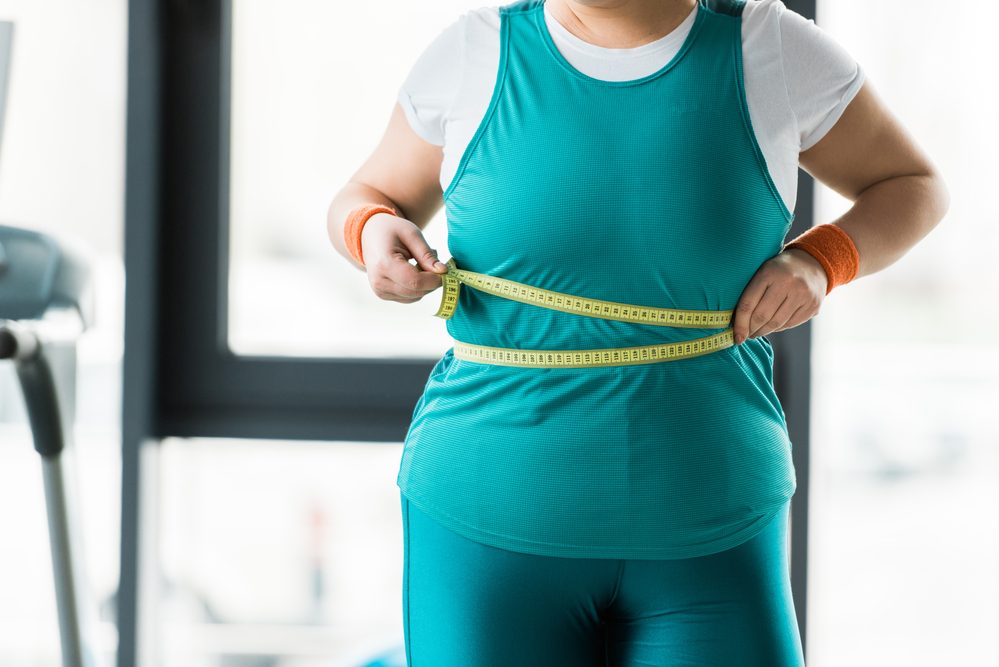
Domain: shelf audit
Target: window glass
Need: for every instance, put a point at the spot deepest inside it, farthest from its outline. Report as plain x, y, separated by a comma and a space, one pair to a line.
313, 86
288, 553
904, 518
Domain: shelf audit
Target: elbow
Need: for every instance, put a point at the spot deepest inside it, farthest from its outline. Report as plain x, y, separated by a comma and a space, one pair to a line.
938, 196
935, 195
334, 223
943, 195
330, 225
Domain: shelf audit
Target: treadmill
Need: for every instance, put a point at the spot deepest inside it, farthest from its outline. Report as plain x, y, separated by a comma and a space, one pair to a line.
46, 303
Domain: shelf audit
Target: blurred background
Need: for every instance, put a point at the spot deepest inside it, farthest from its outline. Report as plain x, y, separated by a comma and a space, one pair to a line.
289, 553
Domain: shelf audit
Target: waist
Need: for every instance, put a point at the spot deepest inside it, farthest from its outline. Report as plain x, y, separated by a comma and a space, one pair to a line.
499, 309
593, 357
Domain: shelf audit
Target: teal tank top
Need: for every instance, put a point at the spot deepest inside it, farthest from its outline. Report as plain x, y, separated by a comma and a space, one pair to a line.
652, 191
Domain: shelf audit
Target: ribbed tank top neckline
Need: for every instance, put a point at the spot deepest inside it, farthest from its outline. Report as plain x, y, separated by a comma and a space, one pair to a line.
537, 17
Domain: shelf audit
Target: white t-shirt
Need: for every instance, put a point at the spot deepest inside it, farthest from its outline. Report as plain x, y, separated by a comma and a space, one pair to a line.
798, 80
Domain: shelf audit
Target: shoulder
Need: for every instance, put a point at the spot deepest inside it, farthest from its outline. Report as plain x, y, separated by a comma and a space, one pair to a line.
761, 17
475, 26
781, 23
483, 20
820, 75
477, 22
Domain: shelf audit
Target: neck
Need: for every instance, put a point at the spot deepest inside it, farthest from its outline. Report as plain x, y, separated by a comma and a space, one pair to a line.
620, 24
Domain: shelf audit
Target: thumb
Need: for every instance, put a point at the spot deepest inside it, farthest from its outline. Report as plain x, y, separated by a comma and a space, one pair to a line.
425, 256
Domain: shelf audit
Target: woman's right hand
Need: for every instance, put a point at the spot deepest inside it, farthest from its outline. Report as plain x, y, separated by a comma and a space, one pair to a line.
388, 242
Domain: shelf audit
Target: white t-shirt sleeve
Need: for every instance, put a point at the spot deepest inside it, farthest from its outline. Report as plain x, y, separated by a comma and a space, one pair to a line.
820, 75
431, 86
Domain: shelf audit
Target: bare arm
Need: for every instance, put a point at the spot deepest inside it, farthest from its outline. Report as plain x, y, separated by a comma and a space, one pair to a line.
897, 193
898, 198
403, 172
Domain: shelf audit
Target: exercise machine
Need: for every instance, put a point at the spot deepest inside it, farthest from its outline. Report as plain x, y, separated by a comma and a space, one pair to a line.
46, 302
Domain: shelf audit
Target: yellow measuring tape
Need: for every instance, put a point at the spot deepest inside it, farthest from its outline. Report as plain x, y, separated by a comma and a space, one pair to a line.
609, 310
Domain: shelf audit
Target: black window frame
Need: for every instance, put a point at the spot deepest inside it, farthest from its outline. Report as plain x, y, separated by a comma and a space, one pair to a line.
179, 376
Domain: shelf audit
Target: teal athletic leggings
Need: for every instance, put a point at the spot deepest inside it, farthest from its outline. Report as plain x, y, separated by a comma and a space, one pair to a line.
467, 604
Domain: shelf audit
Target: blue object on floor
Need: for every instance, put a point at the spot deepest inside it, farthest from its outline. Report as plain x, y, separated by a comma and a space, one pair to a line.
395, 657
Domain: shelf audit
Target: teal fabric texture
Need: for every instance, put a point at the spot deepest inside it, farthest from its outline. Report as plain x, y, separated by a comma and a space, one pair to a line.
653, 192
466, 603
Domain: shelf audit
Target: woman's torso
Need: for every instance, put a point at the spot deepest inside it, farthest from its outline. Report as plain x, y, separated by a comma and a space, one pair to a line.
649, 192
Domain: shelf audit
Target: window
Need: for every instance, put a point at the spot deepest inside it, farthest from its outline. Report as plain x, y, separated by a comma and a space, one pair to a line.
904, 506
312, 87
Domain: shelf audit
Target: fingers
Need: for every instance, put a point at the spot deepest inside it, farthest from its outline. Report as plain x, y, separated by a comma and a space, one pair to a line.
765, 311
799, 316
398, 280
412, 282
425, 256
391, 275
768, 307
745, 311
776, 321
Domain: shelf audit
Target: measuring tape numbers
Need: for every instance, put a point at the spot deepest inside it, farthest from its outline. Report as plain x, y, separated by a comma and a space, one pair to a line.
577, 305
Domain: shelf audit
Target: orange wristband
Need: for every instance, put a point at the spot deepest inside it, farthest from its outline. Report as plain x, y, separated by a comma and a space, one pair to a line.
835, 251
355, 223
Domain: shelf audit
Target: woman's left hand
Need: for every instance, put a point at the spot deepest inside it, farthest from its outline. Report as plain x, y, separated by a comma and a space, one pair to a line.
787, 290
